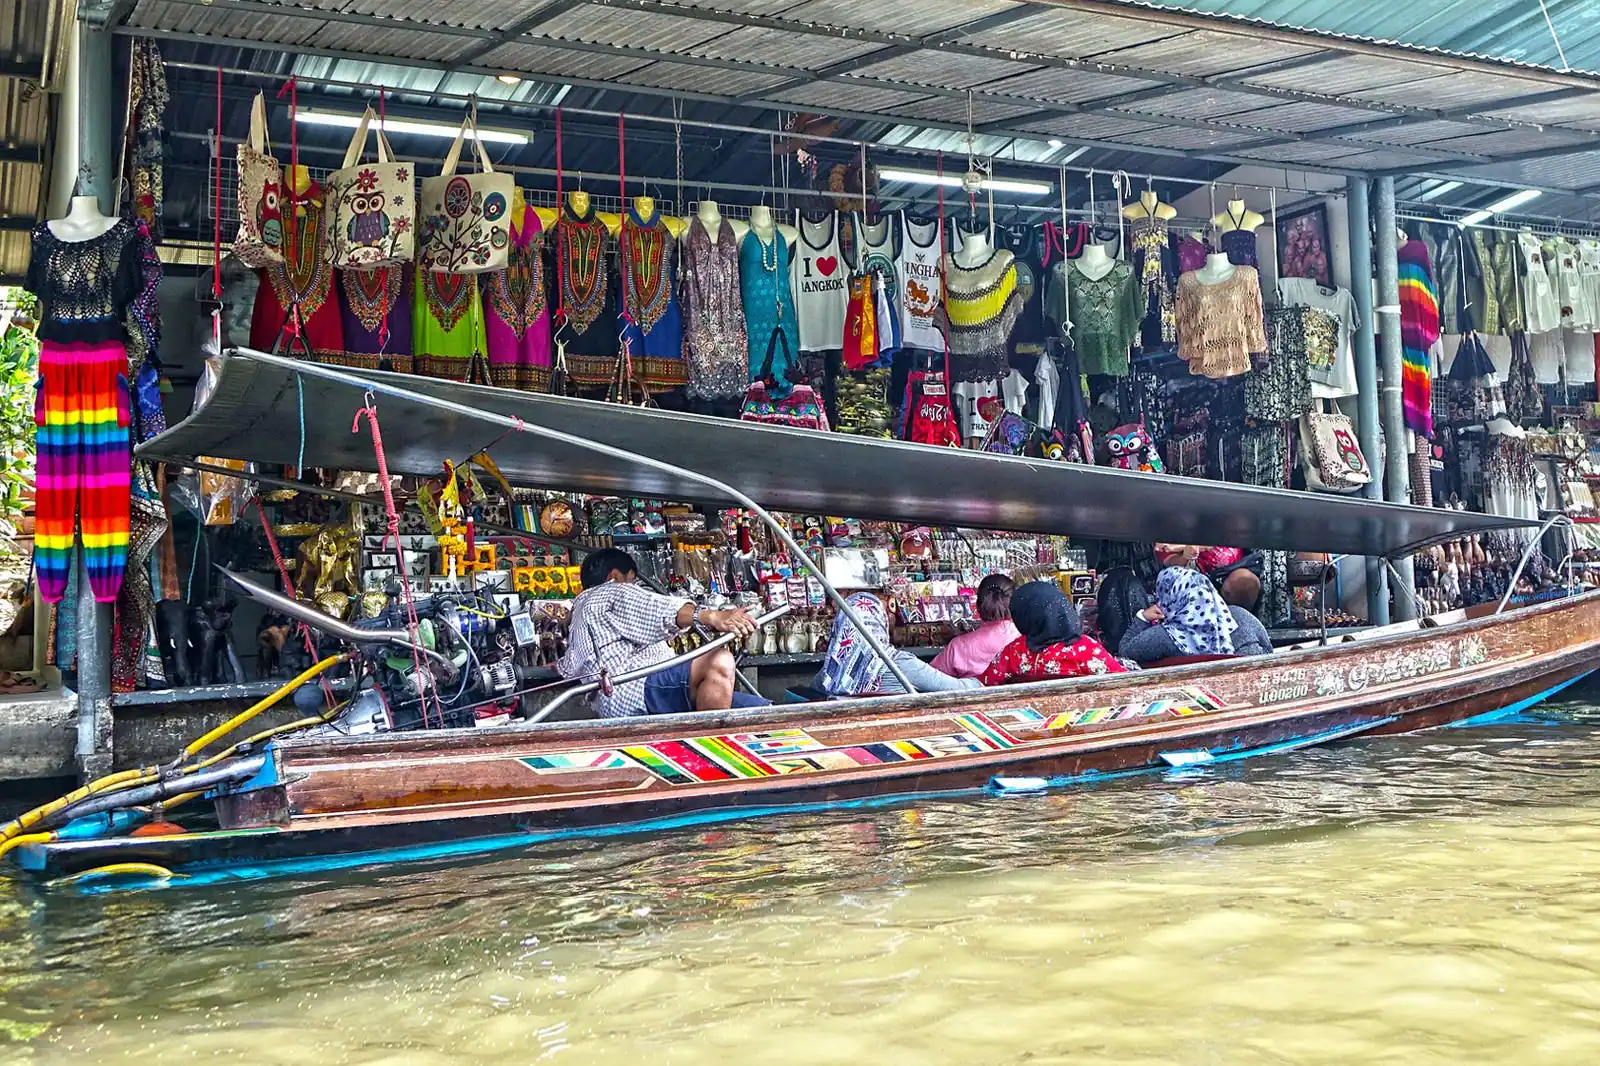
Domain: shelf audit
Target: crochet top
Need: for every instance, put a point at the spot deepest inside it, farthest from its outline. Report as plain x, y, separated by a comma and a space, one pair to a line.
982, 304
1220, 326
85, 288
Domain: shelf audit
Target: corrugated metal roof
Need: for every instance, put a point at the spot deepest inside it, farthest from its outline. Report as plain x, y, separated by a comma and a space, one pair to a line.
915, 20
1512, 30
1203, 54
1067, 86
1073, 34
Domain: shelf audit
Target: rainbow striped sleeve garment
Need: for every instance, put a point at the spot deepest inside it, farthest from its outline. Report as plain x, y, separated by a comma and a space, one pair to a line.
1419, 331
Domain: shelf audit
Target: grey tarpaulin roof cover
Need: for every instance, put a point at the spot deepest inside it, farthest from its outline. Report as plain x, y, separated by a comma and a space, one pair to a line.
255, 414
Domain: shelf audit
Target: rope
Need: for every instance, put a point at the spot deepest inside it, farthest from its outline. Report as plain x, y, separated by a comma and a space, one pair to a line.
216, 203
392, 534
561, 211
944, 323
294, 594
300, 460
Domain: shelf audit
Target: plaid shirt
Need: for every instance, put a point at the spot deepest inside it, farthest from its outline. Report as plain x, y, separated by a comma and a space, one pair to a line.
616, 627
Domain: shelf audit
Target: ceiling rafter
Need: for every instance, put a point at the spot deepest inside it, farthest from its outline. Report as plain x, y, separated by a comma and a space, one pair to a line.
647, 90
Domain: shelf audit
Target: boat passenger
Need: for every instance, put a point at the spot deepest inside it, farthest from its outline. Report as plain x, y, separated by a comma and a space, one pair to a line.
970, 654
1189, 617
852, 668
1122, 595
1051, 643
619, 625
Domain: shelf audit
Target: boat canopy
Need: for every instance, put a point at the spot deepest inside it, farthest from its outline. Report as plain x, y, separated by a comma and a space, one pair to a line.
261, 403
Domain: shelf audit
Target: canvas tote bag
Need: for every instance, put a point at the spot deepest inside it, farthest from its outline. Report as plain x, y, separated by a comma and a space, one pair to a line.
1331, 454
260, 239
374, 206
465, 219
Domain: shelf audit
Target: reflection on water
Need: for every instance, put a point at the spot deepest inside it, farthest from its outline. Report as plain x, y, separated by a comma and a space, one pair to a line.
1430, 898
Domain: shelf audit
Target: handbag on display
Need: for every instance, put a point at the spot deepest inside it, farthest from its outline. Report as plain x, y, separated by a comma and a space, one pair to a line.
801, 408
625, 387
1331, 454
259, 242
374, 206
464, 220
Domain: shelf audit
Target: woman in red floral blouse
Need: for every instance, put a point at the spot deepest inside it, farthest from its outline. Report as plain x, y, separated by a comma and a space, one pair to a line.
1052, 644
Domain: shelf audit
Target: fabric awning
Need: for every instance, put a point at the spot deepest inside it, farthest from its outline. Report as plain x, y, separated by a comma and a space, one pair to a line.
257, 411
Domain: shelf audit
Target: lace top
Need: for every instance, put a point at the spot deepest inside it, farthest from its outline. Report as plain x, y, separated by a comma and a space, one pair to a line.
85, 288
1220, 326
1103, 315
982, 303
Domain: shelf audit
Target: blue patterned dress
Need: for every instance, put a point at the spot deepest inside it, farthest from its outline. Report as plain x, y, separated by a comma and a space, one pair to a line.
769, 318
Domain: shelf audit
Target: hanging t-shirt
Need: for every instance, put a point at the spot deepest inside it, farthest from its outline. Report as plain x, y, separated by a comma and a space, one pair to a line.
821, 294
968, 397
921, 286
1328, 382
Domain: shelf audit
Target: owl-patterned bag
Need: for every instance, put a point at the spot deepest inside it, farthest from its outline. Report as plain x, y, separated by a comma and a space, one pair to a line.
374, 206
465, 219
260, 239
1331, 454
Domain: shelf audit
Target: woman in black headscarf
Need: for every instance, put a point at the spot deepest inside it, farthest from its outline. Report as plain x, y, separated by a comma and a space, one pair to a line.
1052, 644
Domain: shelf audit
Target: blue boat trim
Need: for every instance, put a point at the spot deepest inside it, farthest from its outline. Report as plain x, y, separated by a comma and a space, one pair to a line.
1213, 756
1516, 708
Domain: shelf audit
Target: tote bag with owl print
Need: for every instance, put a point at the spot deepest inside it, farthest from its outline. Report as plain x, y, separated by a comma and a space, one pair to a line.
260, 239
1331, 454
374, 206
465, 219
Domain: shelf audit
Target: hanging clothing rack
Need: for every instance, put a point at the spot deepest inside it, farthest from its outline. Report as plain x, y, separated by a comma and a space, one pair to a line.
1534, 224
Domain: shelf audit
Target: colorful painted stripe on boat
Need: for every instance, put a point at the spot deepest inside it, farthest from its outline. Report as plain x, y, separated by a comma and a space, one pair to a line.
568, 761
1183, 702
981, 726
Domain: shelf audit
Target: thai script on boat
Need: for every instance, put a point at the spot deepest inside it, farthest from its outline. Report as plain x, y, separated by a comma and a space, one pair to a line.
1281, 686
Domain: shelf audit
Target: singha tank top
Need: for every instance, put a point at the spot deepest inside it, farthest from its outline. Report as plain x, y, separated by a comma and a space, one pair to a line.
821, 293
921, 288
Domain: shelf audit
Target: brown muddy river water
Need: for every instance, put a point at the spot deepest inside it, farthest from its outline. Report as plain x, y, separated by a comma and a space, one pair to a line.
1423, 899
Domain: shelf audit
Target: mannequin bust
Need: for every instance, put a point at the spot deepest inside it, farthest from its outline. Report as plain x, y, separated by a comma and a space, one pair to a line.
547, 216
1094, 263
1149, 206
83, 221
1218, 268
578, 200
974, 250
710, 216
762, 225
1237, 216
645, 208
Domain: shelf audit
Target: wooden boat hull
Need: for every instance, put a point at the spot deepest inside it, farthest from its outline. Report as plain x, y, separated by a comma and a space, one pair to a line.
406, 796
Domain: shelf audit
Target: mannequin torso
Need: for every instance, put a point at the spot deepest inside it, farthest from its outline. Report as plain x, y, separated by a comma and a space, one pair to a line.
1237, 216
578, 200
645, 208
763, 225
1218, 269
83, 221
1149, 206
974, 251
1094, 263
710, 216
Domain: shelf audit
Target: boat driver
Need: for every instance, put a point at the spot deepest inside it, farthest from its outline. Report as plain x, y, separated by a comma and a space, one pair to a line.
618, 625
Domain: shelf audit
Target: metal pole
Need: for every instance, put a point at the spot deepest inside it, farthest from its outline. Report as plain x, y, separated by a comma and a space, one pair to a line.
1397, 471
1364, 350
97, 129
795, 550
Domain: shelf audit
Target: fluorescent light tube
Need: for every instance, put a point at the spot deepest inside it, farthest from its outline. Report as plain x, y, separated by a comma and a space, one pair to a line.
1507, 203
1439, 190
402, 125
928, 177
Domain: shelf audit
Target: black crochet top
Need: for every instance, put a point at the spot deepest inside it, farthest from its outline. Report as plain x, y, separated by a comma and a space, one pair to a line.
85, 287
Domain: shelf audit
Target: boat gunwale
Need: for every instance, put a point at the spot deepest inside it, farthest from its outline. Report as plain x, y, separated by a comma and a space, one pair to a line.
869, 708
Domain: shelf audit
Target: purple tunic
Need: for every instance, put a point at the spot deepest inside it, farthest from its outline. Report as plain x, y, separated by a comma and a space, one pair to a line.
516, 314
375, 306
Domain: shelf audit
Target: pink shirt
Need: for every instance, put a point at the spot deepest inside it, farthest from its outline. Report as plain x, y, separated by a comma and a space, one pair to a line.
970, 654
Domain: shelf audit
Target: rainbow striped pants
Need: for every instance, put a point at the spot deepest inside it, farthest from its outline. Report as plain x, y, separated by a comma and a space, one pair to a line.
84, 466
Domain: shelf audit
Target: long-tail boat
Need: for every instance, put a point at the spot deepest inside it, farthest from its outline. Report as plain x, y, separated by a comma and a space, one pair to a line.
289, 802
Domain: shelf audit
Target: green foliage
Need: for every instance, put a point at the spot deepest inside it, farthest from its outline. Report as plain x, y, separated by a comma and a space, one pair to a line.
19, 369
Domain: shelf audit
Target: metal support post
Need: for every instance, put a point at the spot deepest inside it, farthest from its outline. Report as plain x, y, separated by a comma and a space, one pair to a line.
97, 131
1397, 470
1364, 350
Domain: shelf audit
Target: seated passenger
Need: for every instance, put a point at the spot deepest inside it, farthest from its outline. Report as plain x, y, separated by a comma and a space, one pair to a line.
1051, 645
852, 668
1122, 595
1189, 617
619, 625
970, 654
